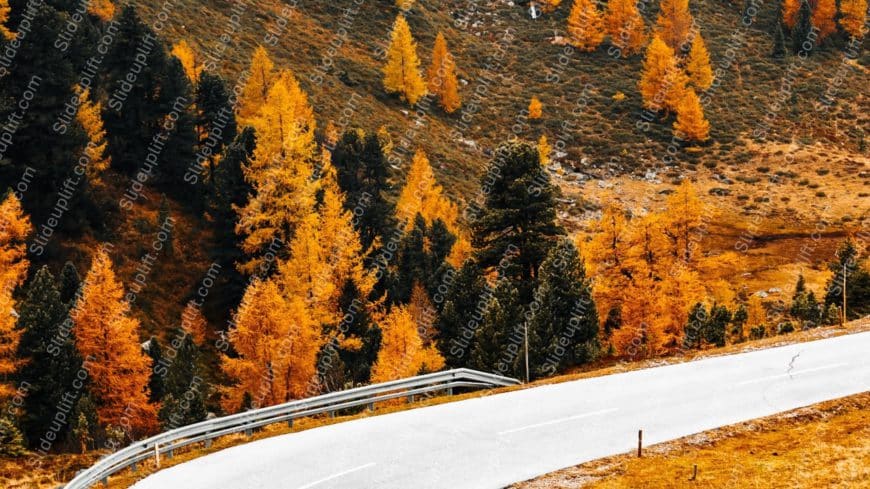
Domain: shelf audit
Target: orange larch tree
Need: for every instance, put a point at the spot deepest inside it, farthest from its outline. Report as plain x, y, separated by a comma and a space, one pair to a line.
683, 222
698, 65
660, 78
193, 323
790, 9
824, 18
107, 338
422, 195
536, 109
102, 9
280, 171
442, 76
625, 26
402, 71
276, 344
14, 228
550, 5
187, 56
585, 25
402, 352
853, 15
261, 76
691, 125
544, 150
674, 24
4, 17
91, 119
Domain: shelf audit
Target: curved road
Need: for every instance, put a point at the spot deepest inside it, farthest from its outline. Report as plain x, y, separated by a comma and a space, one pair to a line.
493, 441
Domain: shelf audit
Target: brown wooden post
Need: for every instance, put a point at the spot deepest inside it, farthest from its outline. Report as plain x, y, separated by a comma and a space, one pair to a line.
639, 443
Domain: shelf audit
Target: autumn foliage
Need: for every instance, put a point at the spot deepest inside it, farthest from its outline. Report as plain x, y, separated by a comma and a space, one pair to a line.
853, 14
4, 18
102, 9
402, 71
649, 269
14, 229
422, 195
107, 338
824, 18
662, 81
403, 352
90, 117
276, 344
698, 64
280, 170
625, 26
691, 125
674, 23
187, 57
536, 109
790, 9
442, 76
585, 25
261, 76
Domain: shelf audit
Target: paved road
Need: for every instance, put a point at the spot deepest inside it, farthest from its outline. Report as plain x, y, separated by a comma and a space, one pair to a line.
493, 441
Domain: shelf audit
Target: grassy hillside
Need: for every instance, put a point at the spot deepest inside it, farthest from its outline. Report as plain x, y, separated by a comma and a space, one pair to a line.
599, 132
804, 172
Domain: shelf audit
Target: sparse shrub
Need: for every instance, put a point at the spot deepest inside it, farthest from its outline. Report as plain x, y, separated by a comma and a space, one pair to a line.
820, 194
822, 171
763, 169
785, 327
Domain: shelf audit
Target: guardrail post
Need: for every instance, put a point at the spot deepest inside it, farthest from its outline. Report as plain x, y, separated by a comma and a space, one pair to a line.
411, 398
134, 467
208, 443
169, 454
332, 414
290, 423
105, 481
249, 432
371, 406
157, 454
450, 391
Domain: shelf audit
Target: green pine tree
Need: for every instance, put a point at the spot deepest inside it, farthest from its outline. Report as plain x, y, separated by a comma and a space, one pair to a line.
716, 326
694, 330
363, 175
68, 284
518, 218
11, 441
464, 307
503, 313
156, 384
184, 387
215, 120
563, 329
857, 282
801, 39
738, 321
779, 50
357, 323
165, 225
52, 360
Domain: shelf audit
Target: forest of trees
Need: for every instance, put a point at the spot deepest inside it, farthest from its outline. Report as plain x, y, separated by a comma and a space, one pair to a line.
340, 270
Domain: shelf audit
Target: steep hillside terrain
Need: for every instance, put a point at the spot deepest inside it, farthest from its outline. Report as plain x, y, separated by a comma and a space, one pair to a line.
780, 162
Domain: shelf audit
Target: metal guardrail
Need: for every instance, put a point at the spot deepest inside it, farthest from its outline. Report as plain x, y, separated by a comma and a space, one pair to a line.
205, 431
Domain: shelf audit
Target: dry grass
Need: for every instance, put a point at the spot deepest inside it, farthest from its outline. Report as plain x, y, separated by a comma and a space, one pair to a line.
826, 445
